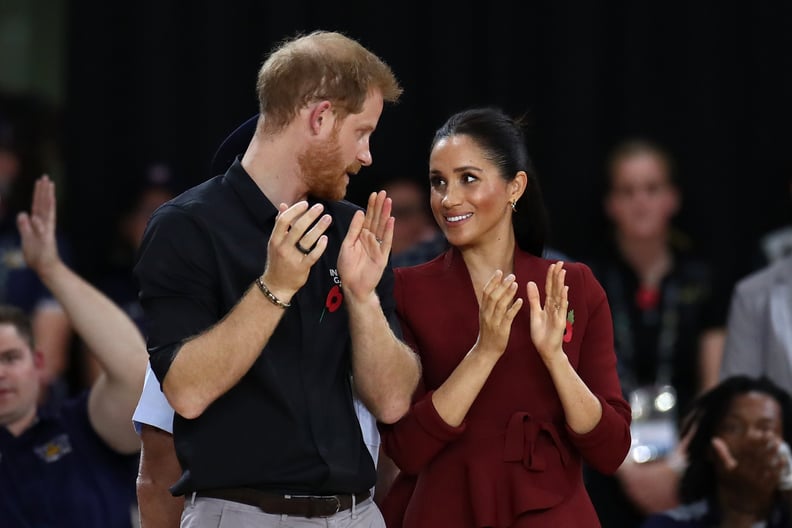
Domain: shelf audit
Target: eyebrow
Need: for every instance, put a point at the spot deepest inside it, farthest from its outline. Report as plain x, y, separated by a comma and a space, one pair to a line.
458, 170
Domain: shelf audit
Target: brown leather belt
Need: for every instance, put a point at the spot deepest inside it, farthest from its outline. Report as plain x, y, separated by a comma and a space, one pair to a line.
297, 505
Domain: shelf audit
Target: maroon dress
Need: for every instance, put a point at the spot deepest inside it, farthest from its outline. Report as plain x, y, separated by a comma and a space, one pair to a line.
513, 462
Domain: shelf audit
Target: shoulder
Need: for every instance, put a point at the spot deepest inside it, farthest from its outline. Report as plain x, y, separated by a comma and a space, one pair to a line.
764, 280
195, 201
196, 209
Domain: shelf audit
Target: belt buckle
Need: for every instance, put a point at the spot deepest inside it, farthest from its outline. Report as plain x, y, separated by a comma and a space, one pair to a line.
338, 504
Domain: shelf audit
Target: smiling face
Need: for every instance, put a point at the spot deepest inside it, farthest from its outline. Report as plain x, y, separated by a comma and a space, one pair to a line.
19, 380
327, 164
642, 199
470, 199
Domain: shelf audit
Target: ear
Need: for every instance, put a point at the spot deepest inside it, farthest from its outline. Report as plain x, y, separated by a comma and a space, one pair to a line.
517, 186
321, 116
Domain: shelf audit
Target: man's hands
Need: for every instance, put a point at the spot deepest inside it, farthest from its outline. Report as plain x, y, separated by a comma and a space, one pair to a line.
365, 249
294, 246
37, 229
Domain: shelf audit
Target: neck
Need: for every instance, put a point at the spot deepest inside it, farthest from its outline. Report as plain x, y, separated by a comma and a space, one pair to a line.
483, 259
23, 423
651, 259
271, 161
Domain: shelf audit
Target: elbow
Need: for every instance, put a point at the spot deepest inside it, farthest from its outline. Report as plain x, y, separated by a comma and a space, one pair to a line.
608, 465
393, 411
187, 408
184, 403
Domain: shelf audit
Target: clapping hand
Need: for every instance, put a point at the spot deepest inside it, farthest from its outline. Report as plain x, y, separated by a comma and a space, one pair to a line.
549, 322
296, 243
496, 313
365, 249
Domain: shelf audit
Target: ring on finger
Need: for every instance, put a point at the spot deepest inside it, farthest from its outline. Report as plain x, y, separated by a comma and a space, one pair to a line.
301, 249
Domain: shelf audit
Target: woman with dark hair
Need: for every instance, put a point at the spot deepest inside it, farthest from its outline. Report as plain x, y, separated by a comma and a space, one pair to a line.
512, 398
739, 464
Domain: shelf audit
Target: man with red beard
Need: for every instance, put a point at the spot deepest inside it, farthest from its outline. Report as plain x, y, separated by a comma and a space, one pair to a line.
266, 296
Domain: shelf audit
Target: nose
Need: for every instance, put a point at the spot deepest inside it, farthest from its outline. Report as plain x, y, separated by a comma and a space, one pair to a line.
364, 155
451, 197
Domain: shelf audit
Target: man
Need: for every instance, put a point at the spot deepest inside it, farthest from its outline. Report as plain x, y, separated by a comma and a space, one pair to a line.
759, 331
69, 467
264, 301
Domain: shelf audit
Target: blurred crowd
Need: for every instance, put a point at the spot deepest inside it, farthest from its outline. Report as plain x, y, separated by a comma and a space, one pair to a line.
705, 361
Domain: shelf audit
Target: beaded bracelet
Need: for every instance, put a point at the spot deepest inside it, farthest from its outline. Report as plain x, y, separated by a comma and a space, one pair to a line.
270, 296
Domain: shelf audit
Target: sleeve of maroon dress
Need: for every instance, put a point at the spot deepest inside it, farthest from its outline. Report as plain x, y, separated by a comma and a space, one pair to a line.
421, 434
605, 446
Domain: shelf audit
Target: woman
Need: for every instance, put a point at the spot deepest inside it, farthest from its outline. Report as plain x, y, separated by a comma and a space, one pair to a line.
513, 397
668, 321
739, 473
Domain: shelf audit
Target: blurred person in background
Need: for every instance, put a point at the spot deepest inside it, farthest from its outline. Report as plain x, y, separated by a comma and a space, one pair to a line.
668, 328
777, 244
23, 156
152, 190
739, 473
72, 465
414, 223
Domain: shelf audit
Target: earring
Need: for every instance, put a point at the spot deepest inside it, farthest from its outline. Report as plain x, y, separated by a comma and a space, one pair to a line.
514, 205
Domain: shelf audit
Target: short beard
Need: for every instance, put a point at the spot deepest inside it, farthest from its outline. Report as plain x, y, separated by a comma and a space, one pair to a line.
323, 170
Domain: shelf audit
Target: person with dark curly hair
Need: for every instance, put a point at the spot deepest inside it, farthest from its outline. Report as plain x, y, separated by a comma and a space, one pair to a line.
738, 472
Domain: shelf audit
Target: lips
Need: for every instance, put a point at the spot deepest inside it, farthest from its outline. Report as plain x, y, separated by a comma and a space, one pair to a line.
457, 218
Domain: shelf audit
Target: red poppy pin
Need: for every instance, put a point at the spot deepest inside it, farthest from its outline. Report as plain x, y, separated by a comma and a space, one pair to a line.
333, 301
569, 322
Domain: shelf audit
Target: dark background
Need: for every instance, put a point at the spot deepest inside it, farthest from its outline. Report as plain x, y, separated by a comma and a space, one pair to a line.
165, 81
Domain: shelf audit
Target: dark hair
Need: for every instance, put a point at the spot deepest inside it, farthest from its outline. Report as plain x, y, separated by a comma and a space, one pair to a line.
631, 148
502, 140
17, 318
706, 414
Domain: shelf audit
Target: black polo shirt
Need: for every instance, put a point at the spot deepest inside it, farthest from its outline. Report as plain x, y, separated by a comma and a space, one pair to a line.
289, 425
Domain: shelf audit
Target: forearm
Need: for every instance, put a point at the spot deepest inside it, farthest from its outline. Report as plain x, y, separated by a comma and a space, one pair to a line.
112, 336
208, 365
385, 370
582, 409
159, 469
454, 397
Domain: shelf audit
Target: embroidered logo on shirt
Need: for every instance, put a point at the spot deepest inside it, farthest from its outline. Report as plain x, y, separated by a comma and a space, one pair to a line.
569, 322
55, 449
334, 297
13, 258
